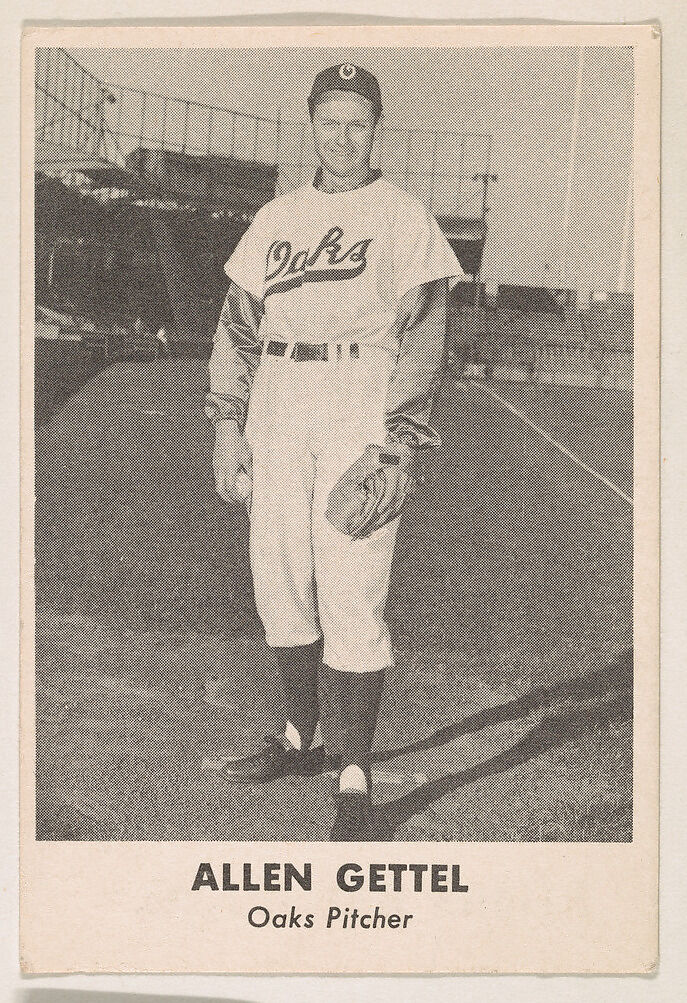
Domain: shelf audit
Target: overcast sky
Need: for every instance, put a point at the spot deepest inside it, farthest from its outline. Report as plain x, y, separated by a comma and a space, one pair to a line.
523, 97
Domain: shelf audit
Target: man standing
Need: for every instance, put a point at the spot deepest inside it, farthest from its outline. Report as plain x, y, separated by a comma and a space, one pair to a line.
327, 355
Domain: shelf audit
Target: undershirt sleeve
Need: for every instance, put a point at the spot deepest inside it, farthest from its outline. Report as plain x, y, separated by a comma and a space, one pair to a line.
235, 356
421, 330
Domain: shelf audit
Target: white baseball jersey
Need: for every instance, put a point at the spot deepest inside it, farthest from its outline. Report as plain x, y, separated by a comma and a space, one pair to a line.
333, 267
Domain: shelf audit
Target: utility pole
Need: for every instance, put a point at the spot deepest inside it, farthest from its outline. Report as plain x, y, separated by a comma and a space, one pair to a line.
572, 163
107, 97
486, 180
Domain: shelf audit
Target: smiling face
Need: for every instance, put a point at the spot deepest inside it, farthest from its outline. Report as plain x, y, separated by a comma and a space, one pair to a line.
343, 126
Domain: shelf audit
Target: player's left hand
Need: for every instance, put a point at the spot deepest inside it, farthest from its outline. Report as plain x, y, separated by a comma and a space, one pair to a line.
398, 466
372, 491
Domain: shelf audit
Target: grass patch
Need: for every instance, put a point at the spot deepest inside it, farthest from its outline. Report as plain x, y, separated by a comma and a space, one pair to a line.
510, 607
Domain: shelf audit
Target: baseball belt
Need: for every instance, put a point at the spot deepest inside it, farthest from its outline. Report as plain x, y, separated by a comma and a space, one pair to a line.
303, 351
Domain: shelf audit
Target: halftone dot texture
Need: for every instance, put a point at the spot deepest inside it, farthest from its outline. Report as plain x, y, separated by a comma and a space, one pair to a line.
510, 602
508, 714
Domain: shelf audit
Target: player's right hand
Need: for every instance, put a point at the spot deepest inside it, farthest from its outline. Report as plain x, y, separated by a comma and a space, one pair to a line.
232, 462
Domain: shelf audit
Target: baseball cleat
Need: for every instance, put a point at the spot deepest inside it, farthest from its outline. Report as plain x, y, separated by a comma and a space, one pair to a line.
353, 822
277, 759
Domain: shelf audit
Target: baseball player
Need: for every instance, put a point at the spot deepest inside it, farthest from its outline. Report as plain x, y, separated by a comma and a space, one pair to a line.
326, 358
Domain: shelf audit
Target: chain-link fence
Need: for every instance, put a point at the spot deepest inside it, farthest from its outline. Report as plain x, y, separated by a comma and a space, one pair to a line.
77, 112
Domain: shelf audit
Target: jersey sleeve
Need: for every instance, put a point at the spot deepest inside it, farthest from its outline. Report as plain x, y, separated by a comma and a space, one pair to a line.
246, 266
421, 251
421, 330
235, 356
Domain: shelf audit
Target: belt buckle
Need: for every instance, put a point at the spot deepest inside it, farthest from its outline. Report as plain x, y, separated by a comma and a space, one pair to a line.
304, 351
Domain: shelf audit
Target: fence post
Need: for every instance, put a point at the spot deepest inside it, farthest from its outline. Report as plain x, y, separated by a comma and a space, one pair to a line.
79, 119
164, 123
185, 133
143, 116
210, 119
64, 97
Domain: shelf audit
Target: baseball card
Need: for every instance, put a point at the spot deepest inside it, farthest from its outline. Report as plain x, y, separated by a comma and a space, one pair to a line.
340, 499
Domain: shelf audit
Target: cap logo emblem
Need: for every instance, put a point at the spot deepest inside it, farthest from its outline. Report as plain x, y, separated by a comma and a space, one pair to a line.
347, 71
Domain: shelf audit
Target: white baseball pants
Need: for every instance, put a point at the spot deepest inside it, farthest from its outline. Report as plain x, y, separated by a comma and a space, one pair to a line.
307, 423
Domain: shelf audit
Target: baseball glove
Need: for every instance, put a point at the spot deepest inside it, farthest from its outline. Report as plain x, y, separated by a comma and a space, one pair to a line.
369, 494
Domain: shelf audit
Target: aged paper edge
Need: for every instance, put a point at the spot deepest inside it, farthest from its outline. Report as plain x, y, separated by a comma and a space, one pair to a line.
55, 874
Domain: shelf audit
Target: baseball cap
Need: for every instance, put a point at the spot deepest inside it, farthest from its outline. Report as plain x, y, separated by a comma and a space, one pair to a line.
347, 77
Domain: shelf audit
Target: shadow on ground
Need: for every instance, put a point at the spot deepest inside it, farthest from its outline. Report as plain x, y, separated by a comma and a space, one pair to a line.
607, 698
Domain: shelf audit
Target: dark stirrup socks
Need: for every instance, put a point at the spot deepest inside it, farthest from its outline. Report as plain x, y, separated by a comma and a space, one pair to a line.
298, 668
350, 704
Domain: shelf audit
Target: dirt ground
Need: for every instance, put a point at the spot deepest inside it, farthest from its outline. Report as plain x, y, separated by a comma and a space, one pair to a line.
508, 714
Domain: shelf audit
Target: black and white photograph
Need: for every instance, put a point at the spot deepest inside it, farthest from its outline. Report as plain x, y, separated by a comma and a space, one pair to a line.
334, 431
